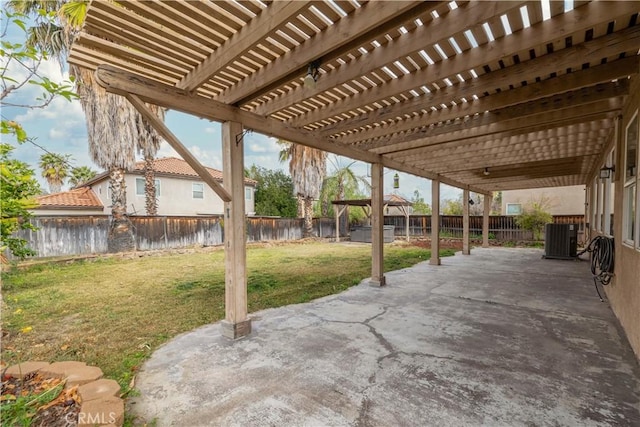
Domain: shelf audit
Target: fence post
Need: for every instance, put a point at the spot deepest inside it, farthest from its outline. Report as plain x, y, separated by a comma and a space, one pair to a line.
465, 222
435, 223
485, 220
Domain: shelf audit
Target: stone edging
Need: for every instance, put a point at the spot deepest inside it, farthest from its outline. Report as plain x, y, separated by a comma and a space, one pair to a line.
100, 402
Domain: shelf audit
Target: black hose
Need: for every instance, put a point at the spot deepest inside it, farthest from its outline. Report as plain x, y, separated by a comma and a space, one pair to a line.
602, 260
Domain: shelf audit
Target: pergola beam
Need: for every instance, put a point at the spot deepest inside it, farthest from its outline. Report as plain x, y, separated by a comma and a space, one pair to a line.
175, 143
402, 167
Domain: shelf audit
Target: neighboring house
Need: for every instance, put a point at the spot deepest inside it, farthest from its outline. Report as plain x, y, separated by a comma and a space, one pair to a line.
560, 200
179, 190
79, 201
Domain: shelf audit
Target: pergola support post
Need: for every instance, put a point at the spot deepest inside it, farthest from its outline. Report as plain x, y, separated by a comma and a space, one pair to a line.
465, 222
377, 225
236, 323
485, 220
435, 223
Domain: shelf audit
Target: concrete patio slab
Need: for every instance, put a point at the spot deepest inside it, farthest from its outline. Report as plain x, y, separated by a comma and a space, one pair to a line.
501, 337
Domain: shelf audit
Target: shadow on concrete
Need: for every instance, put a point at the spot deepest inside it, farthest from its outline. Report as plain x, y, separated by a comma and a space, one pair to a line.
501, 337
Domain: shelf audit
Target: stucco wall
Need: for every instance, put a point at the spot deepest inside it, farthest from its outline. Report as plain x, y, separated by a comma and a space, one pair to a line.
65, 212
176, 198
624, 291
563, 200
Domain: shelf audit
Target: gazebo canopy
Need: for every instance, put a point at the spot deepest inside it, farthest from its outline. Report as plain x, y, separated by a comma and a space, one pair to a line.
367, 202
480, 95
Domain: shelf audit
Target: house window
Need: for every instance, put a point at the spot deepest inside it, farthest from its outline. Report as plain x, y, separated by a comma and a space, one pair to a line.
248, 193
514, 208
630, 193
609, 189
140, 187
197, 190
594, 204
600, 205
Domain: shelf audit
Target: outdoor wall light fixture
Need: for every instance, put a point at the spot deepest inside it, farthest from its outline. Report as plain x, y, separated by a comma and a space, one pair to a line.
486, 172
312, 75
605, 172
396, 181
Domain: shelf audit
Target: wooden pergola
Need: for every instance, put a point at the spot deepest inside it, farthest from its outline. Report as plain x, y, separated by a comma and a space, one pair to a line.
480, 95
342, 205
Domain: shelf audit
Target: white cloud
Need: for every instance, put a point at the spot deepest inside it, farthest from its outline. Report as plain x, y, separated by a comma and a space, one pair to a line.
210, 130
59, 110
166, 151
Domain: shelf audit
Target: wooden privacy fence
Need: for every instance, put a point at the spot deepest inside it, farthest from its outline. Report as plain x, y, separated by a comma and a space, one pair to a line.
501, 227
85, 235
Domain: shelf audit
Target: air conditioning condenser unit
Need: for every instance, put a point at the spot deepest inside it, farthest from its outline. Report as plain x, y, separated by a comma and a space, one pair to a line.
561, 241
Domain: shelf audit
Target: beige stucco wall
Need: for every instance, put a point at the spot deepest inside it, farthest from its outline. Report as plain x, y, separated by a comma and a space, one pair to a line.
175, 198
624, 291
65, 212
563, 200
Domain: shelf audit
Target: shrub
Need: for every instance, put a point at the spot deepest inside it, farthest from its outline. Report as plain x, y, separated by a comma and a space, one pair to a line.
534, 216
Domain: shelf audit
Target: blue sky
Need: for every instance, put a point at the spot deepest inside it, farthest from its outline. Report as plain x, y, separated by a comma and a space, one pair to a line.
60, 128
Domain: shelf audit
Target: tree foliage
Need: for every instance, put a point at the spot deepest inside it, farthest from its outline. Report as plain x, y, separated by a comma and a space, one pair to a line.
535, 215
452, 207
18, 187
274, 192
55, 169
80, 175
307, 167
420, 207
20, 70
341, 184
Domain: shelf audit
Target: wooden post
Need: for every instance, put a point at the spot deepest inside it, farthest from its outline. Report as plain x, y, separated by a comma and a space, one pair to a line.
485, 220
405, 209
377, 225
236, 324
465, 222
435, 223
336, 209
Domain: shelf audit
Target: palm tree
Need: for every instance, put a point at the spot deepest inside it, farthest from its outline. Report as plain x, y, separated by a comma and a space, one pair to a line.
148, 145
55, 169
308, 167
80, 175
113, 125
341, 184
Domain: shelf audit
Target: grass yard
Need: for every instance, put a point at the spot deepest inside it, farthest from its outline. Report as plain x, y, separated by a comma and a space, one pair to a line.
112, 313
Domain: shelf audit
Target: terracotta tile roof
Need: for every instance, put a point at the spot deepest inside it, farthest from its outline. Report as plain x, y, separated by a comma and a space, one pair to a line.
82, 197
175, 166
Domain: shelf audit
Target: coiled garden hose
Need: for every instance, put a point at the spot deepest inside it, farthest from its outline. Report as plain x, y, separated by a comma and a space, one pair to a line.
602, 260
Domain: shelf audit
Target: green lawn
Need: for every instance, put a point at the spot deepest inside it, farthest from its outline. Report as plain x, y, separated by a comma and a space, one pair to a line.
112, 313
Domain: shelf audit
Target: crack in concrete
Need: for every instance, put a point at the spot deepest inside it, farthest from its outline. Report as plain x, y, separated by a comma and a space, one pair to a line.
525, 308
363, 415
